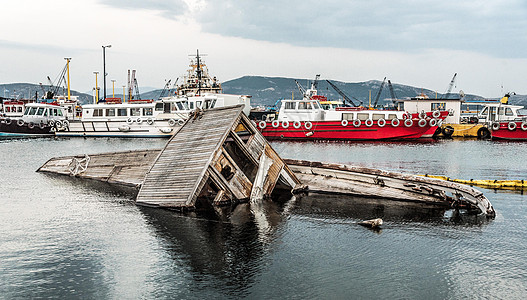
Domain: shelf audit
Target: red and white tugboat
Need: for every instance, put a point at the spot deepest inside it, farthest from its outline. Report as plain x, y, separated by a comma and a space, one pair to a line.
306, 119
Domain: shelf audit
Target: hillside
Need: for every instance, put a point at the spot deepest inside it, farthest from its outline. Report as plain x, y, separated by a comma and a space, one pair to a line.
268, 90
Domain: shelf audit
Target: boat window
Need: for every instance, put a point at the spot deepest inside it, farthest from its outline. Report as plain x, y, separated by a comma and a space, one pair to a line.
45, 112
97, 112
521, 112
363, 116
438, 106
27, 111
485, 111
315, 104
59, 112
121, 112
40, 111
302, 105
326, 106
19, 109
501, 111
347, 116
159, 106
198, 104
135, 111
290, 105
191, 105
179, 105
309, 105
32, 111
147, 111
110, 112
508, 111
7, 109
213, 104
376, 117
391, 117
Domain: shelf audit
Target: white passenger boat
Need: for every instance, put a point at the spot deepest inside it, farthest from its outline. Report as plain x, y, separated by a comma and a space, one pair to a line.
154, 118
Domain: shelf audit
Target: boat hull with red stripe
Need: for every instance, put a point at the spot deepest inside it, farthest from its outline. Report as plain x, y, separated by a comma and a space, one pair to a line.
512, 130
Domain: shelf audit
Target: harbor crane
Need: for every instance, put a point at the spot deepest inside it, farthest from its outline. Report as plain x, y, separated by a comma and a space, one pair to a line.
394, 98
300, 87
379, 93
166, 89
341, 93
450, 86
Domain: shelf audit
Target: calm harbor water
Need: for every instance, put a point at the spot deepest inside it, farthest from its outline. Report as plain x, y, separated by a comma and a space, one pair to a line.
67, 238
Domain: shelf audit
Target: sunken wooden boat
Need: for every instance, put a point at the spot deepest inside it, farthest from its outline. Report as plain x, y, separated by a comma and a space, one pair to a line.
218, 157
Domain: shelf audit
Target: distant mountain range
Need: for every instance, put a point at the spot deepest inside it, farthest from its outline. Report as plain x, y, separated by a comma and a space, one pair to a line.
268, 90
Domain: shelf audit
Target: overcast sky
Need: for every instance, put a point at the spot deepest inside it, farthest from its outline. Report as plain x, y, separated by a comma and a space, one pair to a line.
413, 42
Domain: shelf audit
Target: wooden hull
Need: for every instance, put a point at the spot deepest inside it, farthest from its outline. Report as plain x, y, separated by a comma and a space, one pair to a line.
334, 130
507, 131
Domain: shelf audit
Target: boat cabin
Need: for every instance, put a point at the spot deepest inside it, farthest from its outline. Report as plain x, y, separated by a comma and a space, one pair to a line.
12, 108
419, 104
301, 110
117, 111
502, 112
43, 112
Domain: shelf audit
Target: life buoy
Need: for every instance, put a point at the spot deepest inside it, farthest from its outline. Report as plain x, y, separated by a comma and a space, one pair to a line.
344, 123
356, 122
297, 124
381, 122
436, 114
285, 124
262, 124
58, 125
511, 125
180, 122
275, 123
41, 125
129, 121
433, 122
171, 122
450, 112
31, 125
308, 125
524, 126
139, 120
368, 122
149, 121
495, 126
51, 123
65, 124
396, 122
20, 122
8, 121
422, 123
422, 115
408, 122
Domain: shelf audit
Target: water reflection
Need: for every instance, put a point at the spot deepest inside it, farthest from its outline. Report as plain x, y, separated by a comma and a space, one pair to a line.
229, 245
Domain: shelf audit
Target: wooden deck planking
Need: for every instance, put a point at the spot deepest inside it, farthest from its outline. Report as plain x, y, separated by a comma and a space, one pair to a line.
185, 159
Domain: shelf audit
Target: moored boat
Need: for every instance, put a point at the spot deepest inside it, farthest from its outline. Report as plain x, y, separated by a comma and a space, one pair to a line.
307, 120
39, 119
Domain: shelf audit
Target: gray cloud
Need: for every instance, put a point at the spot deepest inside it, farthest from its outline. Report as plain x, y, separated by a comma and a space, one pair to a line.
169, 8
494, 27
